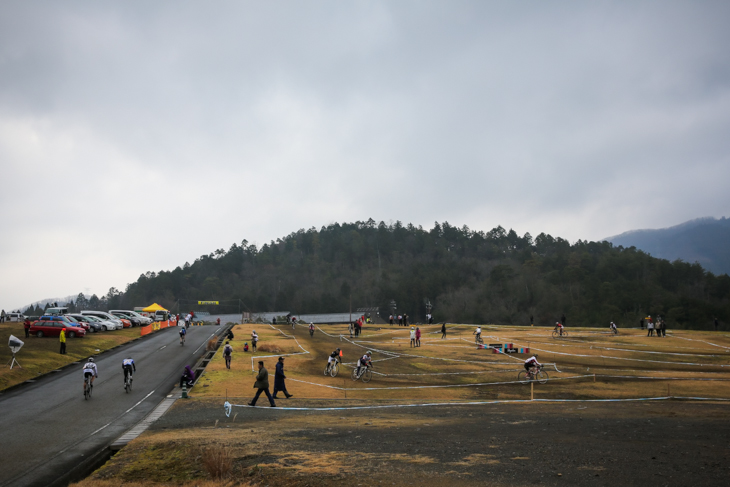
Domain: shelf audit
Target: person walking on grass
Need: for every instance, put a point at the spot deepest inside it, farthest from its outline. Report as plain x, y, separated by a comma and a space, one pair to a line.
418, 337
62, 339
262, 385
443, 330
279, 379
413, 337
227, 354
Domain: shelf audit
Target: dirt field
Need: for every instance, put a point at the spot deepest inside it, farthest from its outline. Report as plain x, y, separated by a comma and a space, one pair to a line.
578, 442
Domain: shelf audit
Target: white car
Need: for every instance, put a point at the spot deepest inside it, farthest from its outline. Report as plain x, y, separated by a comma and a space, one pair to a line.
132, 314
104, 325
14, 317
111, 319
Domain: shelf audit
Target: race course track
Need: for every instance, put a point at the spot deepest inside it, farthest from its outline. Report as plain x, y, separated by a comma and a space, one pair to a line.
48, 427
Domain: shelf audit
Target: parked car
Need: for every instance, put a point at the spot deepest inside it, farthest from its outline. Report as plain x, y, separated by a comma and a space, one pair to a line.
132, 315
56, 311
118, 325
51, 326
81, 324
93, 323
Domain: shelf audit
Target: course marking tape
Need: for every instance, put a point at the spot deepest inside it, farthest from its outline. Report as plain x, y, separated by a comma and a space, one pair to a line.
228, 406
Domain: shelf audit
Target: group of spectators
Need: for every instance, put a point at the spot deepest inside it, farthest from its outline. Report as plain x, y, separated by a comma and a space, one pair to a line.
660, 326
355, 328
402, 319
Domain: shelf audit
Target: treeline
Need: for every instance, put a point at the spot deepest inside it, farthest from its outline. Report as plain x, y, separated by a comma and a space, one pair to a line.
469, 277
112, 300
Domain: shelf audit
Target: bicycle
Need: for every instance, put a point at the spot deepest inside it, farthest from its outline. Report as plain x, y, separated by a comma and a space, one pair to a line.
478, 340
365, 374
557, 334
332, 368
128, 383
614, 331
539, 375
182, 339
87, 387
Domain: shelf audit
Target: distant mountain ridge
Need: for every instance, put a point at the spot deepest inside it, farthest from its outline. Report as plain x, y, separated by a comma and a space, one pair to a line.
703, 240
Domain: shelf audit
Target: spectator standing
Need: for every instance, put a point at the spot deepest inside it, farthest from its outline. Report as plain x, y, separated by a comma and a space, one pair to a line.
413, 337
279, 377
228, 354
641, 323
390, 320
273, 321
262, 385
62, 339
443, 330
650, 327
254, 341
229, 335
400, 320
405, 320
2, 316
430, 319
418, 337
664, 328
26, 325
350, 329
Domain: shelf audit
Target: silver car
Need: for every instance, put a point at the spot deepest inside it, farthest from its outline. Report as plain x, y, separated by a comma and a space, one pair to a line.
109, 319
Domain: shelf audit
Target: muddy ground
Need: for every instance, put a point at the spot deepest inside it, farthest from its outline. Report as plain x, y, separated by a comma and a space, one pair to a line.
662, 443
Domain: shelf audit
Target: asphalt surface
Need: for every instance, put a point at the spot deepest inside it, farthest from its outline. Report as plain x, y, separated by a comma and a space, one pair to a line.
48, 428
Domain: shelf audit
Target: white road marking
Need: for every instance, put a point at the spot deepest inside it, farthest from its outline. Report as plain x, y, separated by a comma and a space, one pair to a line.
140, 402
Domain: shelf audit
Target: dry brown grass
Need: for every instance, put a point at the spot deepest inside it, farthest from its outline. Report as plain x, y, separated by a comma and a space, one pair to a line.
211, 344
267, 347
217, 461
197, 483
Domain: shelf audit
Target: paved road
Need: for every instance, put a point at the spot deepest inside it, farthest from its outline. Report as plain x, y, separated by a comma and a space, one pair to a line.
48, 427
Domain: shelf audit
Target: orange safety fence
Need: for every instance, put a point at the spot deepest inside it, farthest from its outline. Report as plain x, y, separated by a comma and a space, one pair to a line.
156, 326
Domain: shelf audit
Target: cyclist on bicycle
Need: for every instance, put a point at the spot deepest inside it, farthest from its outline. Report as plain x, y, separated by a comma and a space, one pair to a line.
183, 332
128, 366
559, 328
333, 357
530, 363
612, 327
478, 333
90, 371
364, 361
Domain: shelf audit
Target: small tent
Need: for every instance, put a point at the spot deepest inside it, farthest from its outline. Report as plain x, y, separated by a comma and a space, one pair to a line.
153, 307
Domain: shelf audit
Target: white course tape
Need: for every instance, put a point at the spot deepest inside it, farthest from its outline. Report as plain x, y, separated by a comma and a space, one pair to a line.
228, 406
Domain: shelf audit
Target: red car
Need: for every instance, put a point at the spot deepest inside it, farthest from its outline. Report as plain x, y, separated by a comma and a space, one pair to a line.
51, 326
126, 323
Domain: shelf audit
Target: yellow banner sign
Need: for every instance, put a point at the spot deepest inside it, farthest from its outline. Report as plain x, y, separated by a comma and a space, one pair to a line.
207, 302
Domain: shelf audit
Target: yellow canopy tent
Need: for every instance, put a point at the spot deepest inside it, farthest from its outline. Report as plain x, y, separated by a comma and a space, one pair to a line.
153, 307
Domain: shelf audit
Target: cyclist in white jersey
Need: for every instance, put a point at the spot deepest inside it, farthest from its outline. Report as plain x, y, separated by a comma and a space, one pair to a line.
531, 362
478, 332
128, 366
90, 370
364, 361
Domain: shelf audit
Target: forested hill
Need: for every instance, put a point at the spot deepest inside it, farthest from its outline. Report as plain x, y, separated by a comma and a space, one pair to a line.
704, 240
469, 276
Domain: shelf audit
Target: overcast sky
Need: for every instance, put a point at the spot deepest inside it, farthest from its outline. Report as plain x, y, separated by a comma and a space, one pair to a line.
136, 136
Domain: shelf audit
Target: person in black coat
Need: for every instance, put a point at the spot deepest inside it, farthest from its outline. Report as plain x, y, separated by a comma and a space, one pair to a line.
443, 330
279, 379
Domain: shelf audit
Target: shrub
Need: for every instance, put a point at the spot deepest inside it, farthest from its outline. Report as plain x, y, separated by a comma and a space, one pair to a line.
266, 347
211, 344
217, 461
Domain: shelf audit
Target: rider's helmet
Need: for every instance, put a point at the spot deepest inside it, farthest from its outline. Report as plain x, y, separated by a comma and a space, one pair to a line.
253, 331
368, 352
338, 349
91, 359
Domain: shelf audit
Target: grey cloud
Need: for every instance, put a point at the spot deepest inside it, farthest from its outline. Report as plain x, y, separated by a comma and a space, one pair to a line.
251, 120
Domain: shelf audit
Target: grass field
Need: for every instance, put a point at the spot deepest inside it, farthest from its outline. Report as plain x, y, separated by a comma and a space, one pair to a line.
588, 364
479, 443
40, 355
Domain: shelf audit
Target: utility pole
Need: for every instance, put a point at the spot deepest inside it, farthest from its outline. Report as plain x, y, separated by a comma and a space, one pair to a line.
350, 307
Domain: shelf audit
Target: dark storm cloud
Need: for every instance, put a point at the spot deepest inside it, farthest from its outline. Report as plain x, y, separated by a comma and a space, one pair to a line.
250, 120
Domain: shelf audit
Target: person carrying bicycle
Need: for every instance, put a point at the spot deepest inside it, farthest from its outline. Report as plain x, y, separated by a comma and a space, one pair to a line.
530, 363
90, 372
559, 327
364, 361
334, 357
311, 329
128, 366
183, 332
478, 333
